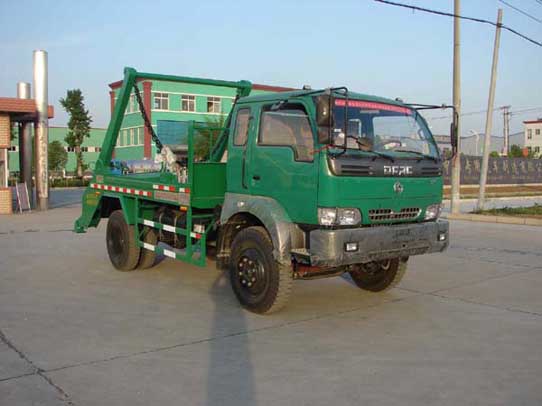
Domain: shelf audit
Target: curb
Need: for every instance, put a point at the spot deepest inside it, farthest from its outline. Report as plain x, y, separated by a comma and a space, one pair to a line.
495, 219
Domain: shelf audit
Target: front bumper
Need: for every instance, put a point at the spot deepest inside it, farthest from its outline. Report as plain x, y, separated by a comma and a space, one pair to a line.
327, 247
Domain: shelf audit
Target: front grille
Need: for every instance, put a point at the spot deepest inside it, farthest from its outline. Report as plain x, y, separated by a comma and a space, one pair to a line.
431, 171
388, 214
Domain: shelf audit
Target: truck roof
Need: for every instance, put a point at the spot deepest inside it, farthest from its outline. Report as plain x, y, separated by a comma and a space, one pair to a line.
300, 93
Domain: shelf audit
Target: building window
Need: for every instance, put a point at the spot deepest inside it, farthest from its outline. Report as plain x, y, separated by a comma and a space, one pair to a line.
213, 104
131, 139
537, 131
133, 105
536, 150
188, 103
141, 135
161, 101
84, 149
97, 149
13, 148
69, 149
529, 134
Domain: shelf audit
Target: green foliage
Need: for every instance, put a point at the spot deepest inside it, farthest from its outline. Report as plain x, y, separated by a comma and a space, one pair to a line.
515, 152
494, 154
67, 182
205, 139
57, 155
78, 124
535, 210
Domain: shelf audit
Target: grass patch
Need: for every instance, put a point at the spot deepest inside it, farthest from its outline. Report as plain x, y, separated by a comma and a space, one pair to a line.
530, 211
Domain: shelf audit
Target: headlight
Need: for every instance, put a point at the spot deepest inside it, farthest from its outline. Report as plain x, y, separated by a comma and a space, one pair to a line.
343, 216
433, 211
327, 216
348, 217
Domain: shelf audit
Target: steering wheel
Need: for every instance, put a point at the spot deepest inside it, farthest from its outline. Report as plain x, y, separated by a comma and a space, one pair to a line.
381, 144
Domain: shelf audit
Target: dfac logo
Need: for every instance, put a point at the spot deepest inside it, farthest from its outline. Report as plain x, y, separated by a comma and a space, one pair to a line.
398, 188
397, 170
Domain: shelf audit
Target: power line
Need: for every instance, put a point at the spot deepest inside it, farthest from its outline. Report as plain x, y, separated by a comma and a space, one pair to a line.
521, 11
442, 13
473, 113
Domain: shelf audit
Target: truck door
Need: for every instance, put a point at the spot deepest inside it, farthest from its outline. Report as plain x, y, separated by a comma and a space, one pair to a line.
237, 151
281, 150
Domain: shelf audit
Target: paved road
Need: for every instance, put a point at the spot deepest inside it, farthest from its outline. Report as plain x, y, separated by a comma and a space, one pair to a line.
463, 328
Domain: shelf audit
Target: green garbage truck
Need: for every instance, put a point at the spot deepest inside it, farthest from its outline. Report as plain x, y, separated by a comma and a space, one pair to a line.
301, 184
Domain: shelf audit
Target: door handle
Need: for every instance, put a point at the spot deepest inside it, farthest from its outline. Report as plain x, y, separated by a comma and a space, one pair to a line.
256, 177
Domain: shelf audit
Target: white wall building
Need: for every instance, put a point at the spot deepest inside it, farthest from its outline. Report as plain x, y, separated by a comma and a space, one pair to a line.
533, 136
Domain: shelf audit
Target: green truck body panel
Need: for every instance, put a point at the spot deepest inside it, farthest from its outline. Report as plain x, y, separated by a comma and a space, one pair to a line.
259, 172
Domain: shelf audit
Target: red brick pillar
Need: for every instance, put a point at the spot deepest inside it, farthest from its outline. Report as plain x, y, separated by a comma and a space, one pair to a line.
147, 86
112, 101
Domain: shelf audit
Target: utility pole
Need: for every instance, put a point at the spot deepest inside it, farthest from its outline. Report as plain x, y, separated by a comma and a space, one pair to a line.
489, 115
506, 129
456, 162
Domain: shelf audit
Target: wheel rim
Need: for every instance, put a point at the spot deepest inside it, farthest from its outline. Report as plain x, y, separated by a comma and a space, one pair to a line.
115, 241
251, 273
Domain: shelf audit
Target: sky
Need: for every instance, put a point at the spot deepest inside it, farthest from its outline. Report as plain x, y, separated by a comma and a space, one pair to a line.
367, 46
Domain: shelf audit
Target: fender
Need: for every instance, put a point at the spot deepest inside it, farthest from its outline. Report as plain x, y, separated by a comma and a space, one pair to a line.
284, 234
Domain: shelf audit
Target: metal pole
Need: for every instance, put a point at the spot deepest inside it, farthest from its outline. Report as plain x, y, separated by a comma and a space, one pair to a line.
456, 162
506, 129
25, 143
42, 130
489, 115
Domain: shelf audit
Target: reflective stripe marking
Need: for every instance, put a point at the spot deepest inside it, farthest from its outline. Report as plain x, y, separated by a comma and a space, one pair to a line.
171, 188
148, 223
195, 235
170, 254
121, 189
148, 246
168, 228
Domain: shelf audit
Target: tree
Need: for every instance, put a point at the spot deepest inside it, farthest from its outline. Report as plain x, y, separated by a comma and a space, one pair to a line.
206, 139
58, 157
78, 124
494, 154
515, 151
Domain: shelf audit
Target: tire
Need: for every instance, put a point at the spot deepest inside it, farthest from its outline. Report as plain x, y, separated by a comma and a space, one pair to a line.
379, 276
121, 243
260, 283
148, 258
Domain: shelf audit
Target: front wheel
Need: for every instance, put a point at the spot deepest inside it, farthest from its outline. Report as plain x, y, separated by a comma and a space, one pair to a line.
260, 283
379, 276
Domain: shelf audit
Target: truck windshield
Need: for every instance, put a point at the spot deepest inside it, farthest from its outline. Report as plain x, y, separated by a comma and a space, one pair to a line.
382, 128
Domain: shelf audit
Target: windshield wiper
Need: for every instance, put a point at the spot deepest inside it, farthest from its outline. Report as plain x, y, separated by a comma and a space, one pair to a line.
420, 154
382, 155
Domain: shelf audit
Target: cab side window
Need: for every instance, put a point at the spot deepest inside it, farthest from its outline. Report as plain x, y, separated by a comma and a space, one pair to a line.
287, 126
241, 127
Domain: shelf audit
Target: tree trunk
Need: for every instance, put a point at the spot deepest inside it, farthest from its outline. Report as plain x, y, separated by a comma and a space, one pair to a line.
79, 157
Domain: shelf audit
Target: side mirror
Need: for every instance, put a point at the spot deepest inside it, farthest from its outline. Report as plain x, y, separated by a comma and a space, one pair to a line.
324, 117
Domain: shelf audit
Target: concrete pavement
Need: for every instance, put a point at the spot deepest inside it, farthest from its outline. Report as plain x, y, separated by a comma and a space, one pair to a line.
464, 327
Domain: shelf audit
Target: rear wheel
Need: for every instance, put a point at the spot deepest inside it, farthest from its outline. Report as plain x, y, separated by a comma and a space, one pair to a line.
147, 257
379, 276
121, 242
260, 283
